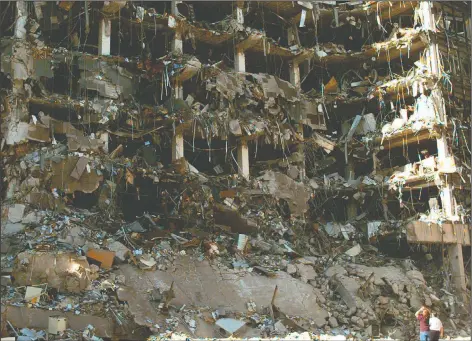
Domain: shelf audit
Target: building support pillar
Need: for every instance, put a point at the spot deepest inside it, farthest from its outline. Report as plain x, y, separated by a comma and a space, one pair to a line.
22, 16
351, 206
239, 61
243, 158
456, 265
104, 38
456, 259
177, 145
177, 43
105, 138
295, 74
178, 91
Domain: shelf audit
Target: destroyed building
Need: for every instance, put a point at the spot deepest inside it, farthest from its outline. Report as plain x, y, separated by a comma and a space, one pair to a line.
269, 169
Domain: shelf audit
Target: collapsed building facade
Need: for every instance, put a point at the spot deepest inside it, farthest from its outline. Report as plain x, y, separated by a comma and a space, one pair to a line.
245, 168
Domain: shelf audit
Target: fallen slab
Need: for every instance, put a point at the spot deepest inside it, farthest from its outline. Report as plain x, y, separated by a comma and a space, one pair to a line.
200, 284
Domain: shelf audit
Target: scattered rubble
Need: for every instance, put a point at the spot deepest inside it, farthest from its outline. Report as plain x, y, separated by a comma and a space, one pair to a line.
165, 189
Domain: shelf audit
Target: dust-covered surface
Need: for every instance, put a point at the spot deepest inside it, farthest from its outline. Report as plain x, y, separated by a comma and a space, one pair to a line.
269, 170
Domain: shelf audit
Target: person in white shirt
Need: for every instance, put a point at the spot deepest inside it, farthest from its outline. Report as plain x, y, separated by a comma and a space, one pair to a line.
436, 329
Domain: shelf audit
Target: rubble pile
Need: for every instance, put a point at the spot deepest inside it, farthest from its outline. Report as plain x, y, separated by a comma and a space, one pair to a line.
156, 187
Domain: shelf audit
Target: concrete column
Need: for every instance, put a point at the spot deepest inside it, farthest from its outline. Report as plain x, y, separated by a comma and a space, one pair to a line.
243, 158
21, 15
239, 61
239, 12
351, 206
291, 36
456, 262
178, 90
295, 74
447, 200
301, 150
178, 145
177, 43
104, 39
173, 7
178, 139
104, 138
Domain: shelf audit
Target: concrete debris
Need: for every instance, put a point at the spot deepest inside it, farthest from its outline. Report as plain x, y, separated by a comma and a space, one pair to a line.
354, 251
285, 188
120, 250
185, 194
230, 326
15, 213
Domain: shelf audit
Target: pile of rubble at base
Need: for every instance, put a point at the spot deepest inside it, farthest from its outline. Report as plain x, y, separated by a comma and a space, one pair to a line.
265, 276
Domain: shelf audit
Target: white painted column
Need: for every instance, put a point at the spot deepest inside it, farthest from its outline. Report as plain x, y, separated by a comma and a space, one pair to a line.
104, 38
239, 61
178, 90
177, 145
243, 158
295, 74
178, 138
21, 15
177, 43
104, 138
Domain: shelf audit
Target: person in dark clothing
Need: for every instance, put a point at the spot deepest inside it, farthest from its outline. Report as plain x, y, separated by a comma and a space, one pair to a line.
422, 316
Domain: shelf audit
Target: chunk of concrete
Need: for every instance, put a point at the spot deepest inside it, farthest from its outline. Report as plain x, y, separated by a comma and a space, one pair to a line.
229, 325
335, 270
354, 251
120, 250
333, 323
34, 217
139, 306
6, 280
15, 213
347, 288
306, 272
291, 269
282, 186
416, 277
73, 236
10, 229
